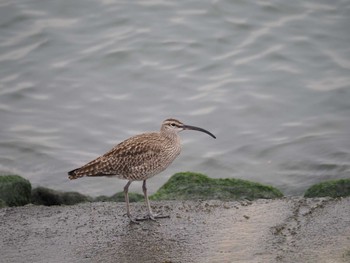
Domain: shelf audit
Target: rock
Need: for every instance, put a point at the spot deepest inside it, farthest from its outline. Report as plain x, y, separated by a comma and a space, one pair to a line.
2, 203
332, 188
194, 186
48, 197
15, 190
71, 198
282, 230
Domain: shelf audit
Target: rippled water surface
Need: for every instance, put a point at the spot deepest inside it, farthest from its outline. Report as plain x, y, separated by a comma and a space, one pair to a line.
270, 79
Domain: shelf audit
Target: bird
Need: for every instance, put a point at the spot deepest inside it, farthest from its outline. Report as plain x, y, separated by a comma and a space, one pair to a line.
139, 158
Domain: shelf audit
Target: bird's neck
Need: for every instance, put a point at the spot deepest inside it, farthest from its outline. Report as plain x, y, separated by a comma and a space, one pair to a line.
170, 135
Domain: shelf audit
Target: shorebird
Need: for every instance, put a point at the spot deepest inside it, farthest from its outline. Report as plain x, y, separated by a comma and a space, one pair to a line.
139, 158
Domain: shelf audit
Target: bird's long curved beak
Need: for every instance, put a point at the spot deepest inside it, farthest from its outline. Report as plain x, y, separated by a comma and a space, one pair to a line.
194, 128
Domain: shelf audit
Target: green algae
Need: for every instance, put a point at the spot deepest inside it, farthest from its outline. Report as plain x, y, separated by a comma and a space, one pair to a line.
193, 186
15, 190
331, 188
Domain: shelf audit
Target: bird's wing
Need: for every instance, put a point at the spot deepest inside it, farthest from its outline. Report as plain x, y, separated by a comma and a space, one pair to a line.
127, 157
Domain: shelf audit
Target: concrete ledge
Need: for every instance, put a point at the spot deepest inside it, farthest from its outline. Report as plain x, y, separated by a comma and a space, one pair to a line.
279, 230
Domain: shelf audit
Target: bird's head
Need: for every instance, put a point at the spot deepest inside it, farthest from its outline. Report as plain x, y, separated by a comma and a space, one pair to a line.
175, 126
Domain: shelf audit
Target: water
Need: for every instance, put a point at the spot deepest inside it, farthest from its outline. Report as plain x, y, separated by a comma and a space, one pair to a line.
270, 79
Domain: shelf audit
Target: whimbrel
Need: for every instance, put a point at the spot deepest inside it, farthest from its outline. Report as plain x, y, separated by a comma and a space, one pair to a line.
139, 158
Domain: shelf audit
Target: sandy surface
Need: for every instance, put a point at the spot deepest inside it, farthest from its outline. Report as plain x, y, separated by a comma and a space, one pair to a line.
283, 230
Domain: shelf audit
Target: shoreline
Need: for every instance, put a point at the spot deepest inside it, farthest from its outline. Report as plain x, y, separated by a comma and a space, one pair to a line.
17, 191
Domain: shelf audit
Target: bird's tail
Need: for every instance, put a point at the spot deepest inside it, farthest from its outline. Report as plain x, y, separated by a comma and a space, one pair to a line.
75, 174
93, 168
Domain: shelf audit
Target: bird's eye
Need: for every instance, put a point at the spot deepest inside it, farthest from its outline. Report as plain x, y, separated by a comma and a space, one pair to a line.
173, 124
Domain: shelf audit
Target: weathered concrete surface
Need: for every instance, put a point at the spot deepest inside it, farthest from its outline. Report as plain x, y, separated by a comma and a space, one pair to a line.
283, 230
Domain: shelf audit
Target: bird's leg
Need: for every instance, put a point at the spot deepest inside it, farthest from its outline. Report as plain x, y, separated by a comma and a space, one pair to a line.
150, 214
126, 189
144, 190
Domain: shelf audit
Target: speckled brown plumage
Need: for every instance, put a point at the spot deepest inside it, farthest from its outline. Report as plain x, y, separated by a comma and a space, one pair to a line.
139, 158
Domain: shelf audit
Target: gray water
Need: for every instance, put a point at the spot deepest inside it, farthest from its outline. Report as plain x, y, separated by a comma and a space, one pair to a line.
270, 79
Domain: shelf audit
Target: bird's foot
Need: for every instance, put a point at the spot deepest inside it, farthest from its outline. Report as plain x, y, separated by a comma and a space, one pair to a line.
132, 220
153, 217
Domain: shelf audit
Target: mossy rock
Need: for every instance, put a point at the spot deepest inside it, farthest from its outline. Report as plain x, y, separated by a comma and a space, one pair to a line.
2, 203
48, 197
332, 188
71, 198
15, 190
119, 197
191, 186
